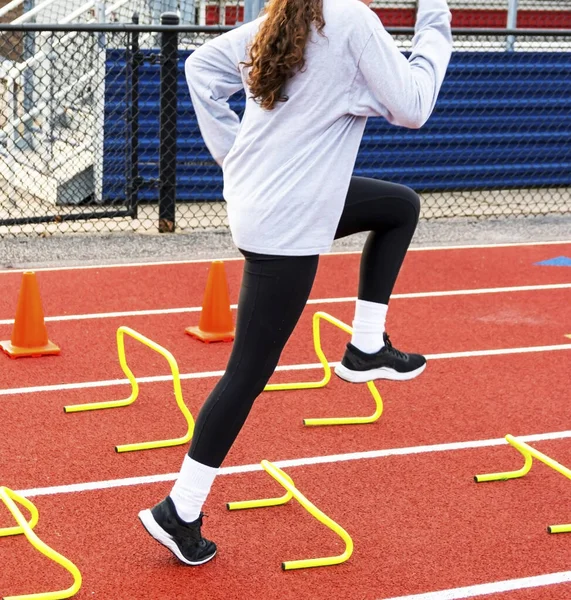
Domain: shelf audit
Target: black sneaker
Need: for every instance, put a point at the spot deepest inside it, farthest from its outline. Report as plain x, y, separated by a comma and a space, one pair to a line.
387, 363
184, 540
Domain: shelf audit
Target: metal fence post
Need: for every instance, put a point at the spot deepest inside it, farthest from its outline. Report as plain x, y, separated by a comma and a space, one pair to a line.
132, 175
168, 132
29, 49
24, 139
100, 60
512, 23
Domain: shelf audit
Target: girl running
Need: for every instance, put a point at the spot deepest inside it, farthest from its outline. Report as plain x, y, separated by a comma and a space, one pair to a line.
313, 71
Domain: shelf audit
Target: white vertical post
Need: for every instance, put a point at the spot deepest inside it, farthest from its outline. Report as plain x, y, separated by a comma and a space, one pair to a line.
252, 9
202, 12
100, 11
248, 10
512, 23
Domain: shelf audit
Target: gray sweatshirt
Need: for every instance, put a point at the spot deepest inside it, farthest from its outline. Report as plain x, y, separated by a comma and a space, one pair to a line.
287, 170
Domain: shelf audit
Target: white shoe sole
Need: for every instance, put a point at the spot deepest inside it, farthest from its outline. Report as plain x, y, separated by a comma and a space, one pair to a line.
156, 531
372, 374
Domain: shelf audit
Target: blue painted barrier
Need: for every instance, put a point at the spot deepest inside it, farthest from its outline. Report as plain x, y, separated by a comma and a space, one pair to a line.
503, 120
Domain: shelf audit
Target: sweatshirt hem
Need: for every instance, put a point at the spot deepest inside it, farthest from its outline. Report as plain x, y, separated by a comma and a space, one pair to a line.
284, 251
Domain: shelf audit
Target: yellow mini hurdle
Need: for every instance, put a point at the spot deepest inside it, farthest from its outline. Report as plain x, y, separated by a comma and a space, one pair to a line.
121, 332
312, 385
292, 492
9, 497
529, 454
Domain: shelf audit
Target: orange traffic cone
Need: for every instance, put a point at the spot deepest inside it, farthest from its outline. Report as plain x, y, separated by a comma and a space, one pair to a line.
29, 336
215, 323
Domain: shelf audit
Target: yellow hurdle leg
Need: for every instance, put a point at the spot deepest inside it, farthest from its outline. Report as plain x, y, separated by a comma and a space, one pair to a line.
553, 464
33, 518
352, 420
121, 332
264, 502
307, 385
530, 453
312, 385
126, 370
508, 474
559, 528
285, 481
523, 447
9, 498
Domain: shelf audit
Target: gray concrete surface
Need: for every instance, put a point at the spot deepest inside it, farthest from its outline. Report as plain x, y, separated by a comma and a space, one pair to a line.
123, 247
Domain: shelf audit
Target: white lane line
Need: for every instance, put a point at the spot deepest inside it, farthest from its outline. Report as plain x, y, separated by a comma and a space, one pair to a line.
115, 315
312, 301
476, 246
495, 587
296, 462
150, 379
301, 367
162, 263
236, 258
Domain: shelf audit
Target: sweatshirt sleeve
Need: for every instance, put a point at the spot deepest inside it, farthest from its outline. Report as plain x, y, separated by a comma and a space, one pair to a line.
404, 91
213, 75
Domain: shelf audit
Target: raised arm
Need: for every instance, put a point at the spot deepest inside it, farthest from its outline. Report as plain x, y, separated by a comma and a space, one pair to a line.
213, 75
405, 91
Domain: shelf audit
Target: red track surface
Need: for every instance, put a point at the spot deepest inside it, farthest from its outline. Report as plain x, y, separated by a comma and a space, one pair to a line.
418, 522
154, 287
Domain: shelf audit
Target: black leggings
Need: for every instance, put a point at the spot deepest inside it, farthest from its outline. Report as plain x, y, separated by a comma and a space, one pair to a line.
274, 292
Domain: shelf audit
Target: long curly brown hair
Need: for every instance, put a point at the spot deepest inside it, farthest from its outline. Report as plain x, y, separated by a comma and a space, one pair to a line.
277, 52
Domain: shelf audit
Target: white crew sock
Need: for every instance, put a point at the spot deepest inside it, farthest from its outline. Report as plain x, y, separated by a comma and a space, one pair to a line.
369, 326
192, 488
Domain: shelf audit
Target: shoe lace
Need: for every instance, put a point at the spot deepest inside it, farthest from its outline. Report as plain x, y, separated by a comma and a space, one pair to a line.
194, 531
201, 542
392, 349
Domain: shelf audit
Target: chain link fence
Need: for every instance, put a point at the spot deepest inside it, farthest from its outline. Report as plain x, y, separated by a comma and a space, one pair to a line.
97, 131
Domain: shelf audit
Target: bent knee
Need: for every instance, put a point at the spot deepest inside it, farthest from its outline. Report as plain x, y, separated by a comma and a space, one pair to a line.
413, 199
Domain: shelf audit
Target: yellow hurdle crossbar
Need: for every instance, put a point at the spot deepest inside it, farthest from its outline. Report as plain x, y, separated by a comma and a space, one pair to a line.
292, 492
312, 385
121, 332
529, 454
9, 497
